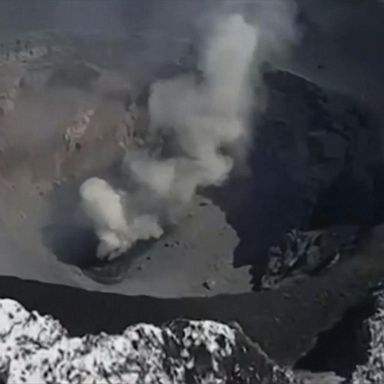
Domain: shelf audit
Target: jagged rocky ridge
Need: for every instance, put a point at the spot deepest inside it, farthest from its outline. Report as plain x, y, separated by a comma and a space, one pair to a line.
36, 348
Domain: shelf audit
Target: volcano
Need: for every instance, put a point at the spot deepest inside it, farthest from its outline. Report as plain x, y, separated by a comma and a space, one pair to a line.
281, 230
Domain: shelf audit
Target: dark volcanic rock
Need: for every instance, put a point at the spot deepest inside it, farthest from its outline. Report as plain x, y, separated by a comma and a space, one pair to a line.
325, 142
308, 253
343, 347
310, 168
354, 348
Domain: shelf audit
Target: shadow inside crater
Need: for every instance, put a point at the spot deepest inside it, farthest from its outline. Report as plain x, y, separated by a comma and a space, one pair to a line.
312, 165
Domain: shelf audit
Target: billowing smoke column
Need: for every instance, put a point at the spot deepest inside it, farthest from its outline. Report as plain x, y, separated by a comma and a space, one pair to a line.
203, 118
115, 231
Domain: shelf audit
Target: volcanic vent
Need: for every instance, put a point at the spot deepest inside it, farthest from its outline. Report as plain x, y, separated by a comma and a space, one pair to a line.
106, 171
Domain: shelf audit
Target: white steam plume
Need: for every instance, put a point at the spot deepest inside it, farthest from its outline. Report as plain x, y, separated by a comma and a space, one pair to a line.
204, 117
116, 231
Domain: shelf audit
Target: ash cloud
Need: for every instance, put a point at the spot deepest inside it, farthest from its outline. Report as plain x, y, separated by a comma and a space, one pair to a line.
204, 116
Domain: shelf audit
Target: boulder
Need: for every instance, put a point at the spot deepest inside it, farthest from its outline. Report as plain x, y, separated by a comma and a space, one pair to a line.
305, 253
